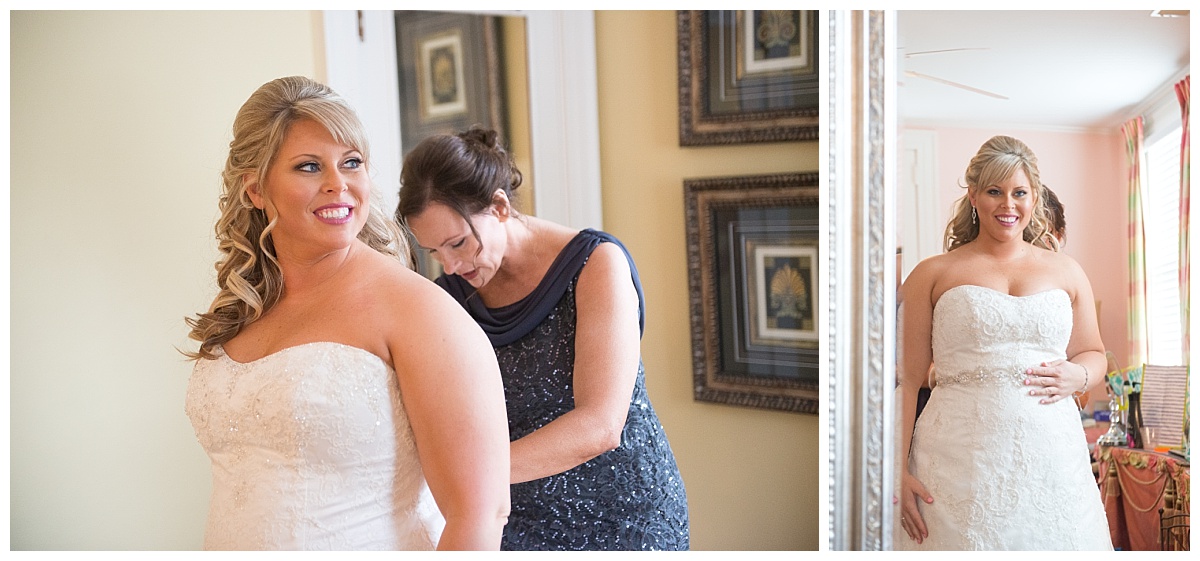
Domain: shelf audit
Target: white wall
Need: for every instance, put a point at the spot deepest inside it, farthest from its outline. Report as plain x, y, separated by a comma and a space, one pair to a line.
120, 123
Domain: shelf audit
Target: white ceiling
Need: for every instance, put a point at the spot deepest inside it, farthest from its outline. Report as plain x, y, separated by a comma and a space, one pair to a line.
1087, 70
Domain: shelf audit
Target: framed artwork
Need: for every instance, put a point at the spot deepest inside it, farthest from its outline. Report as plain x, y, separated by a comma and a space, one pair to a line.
450, 74
752, 275
747, 76
440, 85
780, 300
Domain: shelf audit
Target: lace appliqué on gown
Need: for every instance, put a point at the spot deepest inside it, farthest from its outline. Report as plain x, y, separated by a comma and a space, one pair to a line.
1005, 471
311, 449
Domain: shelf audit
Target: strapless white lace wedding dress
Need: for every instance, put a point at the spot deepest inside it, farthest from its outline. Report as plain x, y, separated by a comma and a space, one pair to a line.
1005, 471
311, 450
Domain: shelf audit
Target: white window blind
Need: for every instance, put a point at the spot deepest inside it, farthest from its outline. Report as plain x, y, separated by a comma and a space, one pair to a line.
1161, 222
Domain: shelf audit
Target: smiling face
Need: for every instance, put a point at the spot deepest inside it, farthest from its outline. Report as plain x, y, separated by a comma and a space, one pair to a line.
448, 237
316, 189
1006, 207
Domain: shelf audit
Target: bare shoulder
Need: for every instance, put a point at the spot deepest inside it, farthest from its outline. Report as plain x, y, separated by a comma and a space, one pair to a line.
930, 269
1068, 273
407, 307
553, 232
935, 264
1057, 258
401, 289
606, 265
608, 254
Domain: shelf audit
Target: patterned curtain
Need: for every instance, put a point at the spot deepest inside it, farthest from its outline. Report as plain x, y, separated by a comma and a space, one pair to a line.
1137, 242
1183, 92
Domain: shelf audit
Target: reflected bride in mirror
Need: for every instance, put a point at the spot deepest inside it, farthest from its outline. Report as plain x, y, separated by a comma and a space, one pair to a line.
1009, 323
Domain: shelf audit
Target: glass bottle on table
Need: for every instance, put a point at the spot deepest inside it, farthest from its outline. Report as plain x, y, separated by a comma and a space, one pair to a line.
1116, 435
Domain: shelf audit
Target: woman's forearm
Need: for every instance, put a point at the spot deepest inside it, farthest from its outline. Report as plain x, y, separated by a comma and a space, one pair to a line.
476, 532
566, 442
1096, 365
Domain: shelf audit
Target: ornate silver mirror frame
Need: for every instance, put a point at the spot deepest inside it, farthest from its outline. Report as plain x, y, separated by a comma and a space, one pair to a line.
859, 190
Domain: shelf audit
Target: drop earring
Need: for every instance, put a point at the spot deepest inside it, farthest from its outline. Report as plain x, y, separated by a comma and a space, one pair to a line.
974, 218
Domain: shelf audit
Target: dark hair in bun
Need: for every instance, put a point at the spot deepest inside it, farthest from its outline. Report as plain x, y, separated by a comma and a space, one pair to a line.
461, 171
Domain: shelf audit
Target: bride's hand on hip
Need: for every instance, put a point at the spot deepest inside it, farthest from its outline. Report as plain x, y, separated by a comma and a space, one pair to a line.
910, 515
1055, 381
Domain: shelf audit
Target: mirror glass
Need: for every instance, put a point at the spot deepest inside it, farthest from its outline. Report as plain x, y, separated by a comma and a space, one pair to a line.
1063, 82
458, 69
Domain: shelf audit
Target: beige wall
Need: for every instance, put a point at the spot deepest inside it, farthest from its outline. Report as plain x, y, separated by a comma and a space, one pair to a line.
751, 475
119, 126
516, 95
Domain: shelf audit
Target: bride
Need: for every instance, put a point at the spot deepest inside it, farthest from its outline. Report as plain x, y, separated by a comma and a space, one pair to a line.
999, 460
345, 402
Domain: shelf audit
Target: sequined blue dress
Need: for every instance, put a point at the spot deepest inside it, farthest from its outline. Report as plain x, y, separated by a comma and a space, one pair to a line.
630, 498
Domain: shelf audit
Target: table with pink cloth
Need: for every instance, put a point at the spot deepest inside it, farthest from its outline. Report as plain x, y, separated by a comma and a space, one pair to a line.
1135, 484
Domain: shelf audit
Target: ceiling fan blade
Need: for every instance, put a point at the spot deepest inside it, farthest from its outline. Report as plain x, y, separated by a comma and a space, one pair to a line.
954, 84
909, 55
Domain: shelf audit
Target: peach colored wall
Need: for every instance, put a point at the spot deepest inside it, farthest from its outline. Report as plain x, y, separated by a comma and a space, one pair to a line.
1087, 170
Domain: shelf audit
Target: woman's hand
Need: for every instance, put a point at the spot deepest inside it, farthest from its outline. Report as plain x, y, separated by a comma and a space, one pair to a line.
607, 351
910, 516
1056, 380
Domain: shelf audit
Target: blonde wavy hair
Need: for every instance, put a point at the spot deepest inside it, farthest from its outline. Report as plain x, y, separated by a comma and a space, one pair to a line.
996, 161
249, 279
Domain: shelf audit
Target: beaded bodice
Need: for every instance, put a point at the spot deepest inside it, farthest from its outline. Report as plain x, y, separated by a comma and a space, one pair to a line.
1005, 471
983, 336
311, 449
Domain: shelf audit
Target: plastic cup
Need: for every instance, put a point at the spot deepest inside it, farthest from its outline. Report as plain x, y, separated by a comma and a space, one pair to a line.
1149, 438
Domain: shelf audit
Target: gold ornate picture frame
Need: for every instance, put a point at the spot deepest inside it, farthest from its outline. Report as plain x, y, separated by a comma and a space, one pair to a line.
753, 268
747, 76
449, 74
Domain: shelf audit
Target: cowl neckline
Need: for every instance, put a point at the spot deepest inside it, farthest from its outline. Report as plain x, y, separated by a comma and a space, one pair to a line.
507, 324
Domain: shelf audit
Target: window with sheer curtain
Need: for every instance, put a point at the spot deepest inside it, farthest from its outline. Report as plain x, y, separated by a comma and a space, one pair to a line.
1160, 168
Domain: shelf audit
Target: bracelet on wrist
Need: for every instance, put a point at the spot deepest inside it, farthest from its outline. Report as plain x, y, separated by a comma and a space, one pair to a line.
1085, 381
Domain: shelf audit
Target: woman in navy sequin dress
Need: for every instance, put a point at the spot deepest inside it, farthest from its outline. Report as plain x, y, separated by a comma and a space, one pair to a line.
591, 465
